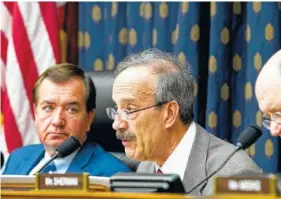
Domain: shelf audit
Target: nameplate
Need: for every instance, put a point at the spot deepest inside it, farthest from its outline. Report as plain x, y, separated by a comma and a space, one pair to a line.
62, 181
259, 184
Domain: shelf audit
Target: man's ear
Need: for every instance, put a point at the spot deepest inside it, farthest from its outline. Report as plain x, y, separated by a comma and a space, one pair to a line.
171, 113
91, 117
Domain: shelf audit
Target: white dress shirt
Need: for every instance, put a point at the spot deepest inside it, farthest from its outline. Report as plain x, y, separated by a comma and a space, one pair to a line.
177, 161
61, 164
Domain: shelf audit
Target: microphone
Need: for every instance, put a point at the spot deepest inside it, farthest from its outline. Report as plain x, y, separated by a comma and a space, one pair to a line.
246, 139
63, 150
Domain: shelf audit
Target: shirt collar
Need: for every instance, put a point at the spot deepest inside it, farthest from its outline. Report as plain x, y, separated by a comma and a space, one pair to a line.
177, 161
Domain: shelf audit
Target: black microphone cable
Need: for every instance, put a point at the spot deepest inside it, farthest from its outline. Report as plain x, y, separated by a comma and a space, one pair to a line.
214, 172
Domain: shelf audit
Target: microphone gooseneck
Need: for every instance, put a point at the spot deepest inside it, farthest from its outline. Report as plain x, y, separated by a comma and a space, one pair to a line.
246, 139
63, 150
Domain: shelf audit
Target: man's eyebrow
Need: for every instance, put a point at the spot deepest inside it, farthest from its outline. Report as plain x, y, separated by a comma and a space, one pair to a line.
276, 110
47, 102
67, 103
129, 99
73, 103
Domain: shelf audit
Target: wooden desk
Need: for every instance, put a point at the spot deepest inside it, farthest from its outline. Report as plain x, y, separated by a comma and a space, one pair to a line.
5, 194
50, 194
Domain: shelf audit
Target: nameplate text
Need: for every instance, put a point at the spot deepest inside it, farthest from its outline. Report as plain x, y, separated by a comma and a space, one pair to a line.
62, 181
260, 184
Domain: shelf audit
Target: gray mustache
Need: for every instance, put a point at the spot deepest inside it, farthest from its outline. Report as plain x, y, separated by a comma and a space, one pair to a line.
125, 136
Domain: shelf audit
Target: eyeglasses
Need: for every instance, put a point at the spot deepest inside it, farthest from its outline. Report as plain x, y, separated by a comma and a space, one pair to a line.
276, 117
126, 115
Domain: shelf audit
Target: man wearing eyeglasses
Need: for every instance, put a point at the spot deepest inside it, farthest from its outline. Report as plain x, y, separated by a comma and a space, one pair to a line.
268, 93
153, 92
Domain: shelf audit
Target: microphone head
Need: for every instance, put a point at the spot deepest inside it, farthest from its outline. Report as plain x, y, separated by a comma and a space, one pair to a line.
248, 136
67, 147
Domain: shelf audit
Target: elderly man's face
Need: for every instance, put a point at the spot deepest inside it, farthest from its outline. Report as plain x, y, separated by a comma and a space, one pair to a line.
141, 135
268, 93
60, 112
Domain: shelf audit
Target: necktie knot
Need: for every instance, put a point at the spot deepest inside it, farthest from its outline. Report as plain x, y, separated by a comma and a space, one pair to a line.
159, 171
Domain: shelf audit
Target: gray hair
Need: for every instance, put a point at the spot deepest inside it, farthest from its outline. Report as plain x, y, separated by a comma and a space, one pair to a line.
174, 78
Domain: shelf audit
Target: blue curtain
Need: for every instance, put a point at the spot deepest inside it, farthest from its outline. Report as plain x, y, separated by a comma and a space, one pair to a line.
226, 44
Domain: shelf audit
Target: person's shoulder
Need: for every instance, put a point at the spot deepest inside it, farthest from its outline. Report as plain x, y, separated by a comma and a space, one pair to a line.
107, 156
107, 160
19, 155
239, 164
219, 150
26, 150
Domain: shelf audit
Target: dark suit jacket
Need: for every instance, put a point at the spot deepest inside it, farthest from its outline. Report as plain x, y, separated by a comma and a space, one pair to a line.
207, 154
90, 158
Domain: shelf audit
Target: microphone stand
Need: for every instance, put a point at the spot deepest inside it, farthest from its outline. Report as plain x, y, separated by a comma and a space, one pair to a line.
48, 162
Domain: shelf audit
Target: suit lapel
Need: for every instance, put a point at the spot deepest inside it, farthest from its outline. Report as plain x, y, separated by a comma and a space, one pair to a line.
196, 166
31, 161
82, 158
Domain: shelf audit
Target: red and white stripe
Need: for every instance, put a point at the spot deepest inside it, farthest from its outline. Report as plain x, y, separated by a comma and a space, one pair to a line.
29, 45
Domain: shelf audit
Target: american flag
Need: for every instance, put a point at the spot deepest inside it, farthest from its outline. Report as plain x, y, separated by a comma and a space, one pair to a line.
29, 45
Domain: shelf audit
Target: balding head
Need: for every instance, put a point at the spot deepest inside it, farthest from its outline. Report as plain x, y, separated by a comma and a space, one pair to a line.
268, 88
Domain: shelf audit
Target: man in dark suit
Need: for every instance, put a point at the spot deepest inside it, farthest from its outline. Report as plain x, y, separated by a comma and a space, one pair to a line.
268, 88
64, 102
153, 92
